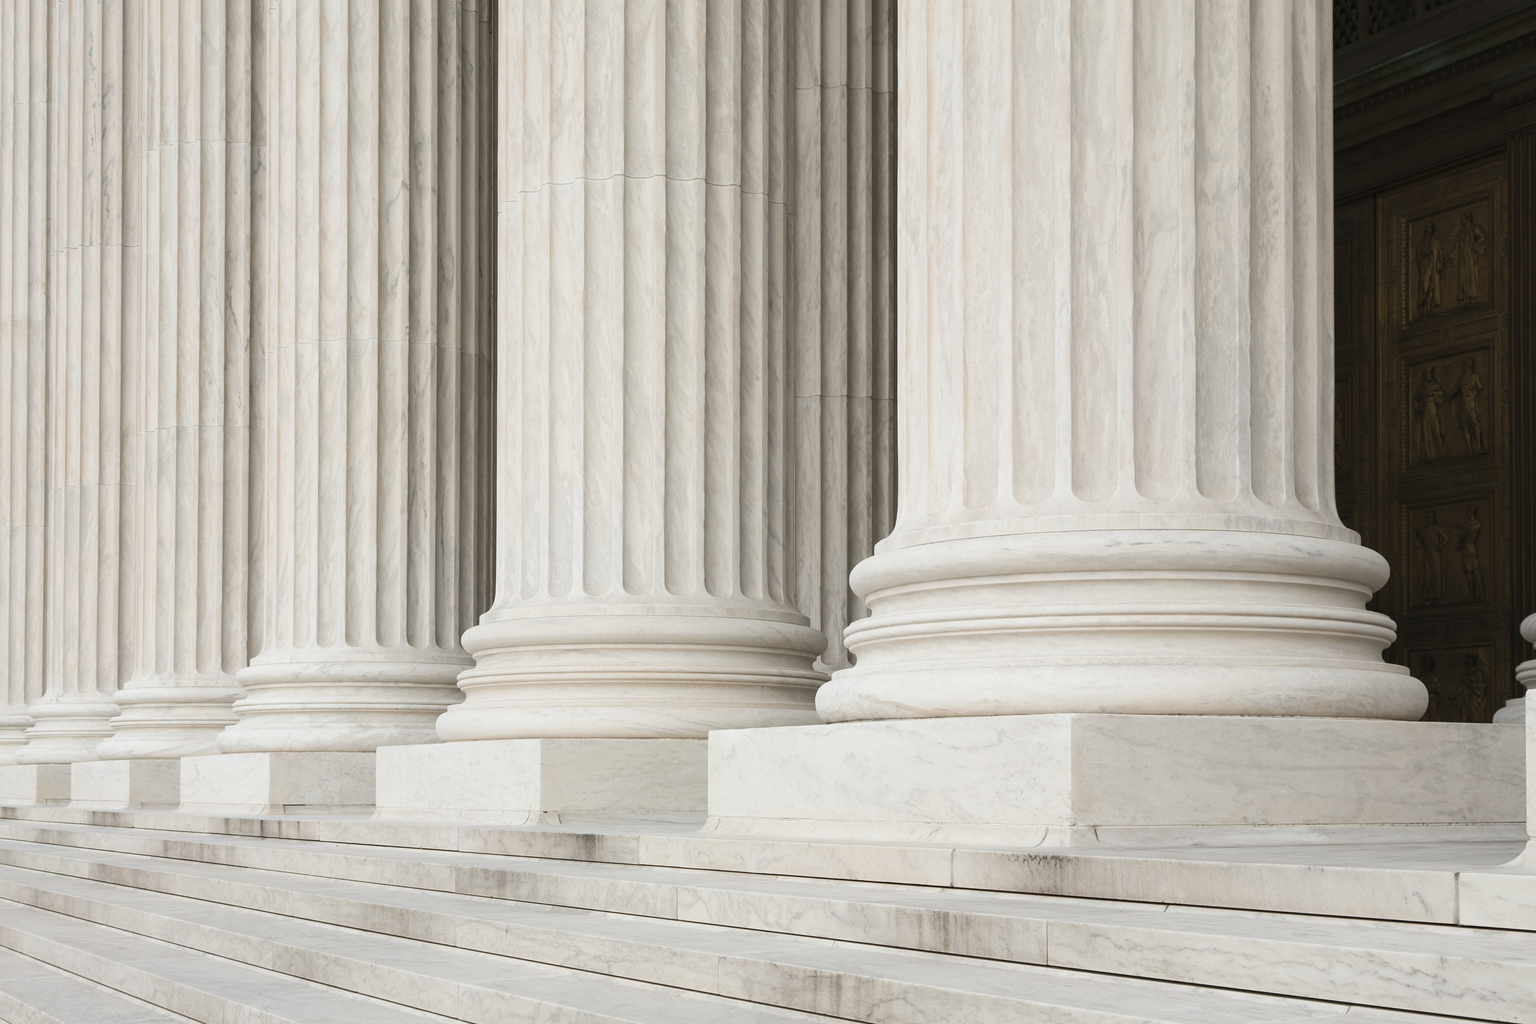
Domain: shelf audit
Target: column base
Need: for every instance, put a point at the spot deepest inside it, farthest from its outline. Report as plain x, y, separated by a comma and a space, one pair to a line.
14, 724
67, 729
538, 780
1069, 779
289, 782
123, 785
34, 784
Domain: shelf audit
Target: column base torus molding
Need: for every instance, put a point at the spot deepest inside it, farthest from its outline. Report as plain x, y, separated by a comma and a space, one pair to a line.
548, 781
634, 672
1132, 622
28, 785
126, 784
342, 699
67, 728
13, 728
289, 782
1131, 780
170, 720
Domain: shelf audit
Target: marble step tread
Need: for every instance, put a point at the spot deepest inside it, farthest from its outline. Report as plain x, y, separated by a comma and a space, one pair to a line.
1381, 880
1404, 966
31, 992
836, 979
324, 974
1429, 969
628, 888
197, 985
1423, 967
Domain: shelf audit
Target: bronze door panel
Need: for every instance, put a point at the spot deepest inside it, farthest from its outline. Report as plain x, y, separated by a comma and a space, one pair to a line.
1442, 433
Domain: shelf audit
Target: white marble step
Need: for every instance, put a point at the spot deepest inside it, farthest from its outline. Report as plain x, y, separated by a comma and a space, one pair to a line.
1375, 878
438, 979
1425, 968
205, 988
31, 992
842, 980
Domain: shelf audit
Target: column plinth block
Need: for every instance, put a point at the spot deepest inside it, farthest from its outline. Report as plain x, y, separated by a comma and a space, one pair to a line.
1119, 779
34, 784
278, 783
124, 784
528, 781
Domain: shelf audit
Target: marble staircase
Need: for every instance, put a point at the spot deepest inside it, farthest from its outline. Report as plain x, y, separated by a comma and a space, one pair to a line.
164, 921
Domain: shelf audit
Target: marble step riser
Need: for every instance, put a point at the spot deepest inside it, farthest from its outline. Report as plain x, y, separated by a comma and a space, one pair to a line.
686, 969
839, 995
196, 1004
1431, 983
537, 995
455, 1000
1429, 896
32, 992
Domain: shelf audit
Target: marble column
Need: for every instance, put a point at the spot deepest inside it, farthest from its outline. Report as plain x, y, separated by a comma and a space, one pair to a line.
23, 355
641, 570
841, 300
200, 194
1115, 375
93, 564
379, 401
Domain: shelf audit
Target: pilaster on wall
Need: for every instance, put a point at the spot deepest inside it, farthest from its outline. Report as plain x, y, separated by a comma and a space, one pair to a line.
204, 172
378, 380
23, 359
94, 331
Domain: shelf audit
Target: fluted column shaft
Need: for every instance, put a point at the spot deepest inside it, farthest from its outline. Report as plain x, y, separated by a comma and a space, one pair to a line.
93, 374
379, 375
23, 359
198, 358
642, 585
1114, 242
841, 299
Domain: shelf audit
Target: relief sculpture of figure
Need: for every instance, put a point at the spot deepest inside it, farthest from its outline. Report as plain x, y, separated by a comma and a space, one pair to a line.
1475, 685
1431, 257
1468, 388
1466, 543
1431, 538
1468, 248
1426, 412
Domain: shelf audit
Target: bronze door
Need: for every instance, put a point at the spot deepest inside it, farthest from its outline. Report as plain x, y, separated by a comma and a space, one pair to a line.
1440, 511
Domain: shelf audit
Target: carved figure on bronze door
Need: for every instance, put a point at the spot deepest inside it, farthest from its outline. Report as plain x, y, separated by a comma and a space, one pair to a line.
1468, 249
1466, 543
1427, 400
1431, 538
1475, 686
1468, 412
1431, 257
